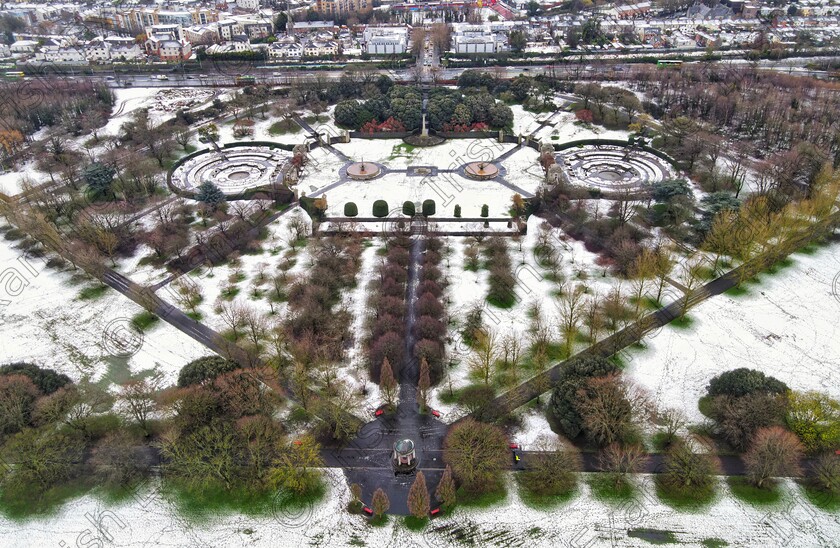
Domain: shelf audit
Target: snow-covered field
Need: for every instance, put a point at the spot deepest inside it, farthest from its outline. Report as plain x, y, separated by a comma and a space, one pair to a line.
151, 520
468, 289
786, 326
451, 154
43, 321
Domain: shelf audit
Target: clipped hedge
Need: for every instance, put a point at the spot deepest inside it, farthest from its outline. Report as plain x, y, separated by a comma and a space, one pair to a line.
428, 208
351, 209
380, 208
408, 208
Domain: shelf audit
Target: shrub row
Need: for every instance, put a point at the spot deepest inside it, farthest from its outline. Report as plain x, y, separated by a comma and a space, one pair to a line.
430, 328
387, 326
501, 279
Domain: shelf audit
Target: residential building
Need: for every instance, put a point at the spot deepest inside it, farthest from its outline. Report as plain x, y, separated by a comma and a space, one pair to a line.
343, 8
385, 40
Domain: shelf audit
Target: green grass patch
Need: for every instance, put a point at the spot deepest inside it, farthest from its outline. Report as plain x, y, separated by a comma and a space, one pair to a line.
282, 127
201, 505
197, 316
683, 322
480, 500
747, 492
380, 521
504, 301
229, 292
714, 542
653, 536
737, 291
810, 249
544, 502
606, 489
92, 292
33, 503
686, 499
144, 320
413, 523
782, 264
822, 499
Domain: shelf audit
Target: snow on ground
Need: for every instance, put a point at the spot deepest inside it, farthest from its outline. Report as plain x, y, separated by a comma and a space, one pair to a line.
447, 190
450, 154
150, 519
524, 170
42, 321
785, 326
214, 280
10, 181
565, 129
468, 289
355, 370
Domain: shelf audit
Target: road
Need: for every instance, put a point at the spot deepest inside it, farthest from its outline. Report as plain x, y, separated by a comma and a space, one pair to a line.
602, 63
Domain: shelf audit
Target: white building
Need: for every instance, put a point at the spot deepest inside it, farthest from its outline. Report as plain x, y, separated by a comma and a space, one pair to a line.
385, 40
285, 50
251, 5
477, 39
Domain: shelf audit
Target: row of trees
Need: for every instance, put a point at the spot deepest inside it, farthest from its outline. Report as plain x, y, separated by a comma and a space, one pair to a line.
216, 431
386, 346
430, 326
446, 110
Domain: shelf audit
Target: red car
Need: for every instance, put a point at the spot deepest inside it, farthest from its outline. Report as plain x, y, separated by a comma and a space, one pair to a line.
435, 512
379, 412
436, 413
368, 511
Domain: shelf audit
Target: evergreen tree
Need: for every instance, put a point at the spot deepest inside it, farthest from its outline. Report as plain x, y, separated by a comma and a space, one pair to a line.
387, 383
445, 491
208, 193
380, 503
423, 383
418, 497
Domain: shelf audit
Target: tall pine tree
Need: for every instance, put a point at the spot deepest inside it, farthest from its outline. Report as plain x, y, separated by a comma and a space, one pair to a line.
418, 497
423, 384
387, 383
445, 491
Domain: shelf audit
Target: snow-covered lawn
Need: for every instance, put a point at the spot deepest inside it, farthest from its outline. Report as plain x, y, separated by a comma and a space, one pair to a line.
785, 326
213, 281
150, 519
43, 321
451, 154
469, 289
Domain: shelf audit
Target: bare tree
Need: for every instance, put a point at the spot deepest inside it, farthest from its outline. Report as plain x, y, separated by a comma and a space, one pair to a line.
485, 353
621, 460
774, 452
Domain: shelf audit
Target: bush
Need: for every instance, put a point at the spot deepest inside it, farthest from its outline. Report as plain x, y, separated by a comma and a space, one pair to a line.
457, 212
485, 211
45, 380
350, 209
380, 208
428, 208
743, 381
204, 369
475, 397
408, 208
564, 396
477, 453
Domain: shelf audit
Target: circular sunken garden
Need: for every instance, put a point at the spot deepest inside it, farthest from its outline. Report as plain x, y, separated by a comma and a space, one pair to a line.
233, 170
614, 168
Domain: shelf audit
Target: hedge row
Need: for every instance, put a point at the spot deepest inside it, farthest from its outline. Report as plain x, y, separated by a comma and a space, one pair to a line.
387, 326
430, 328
